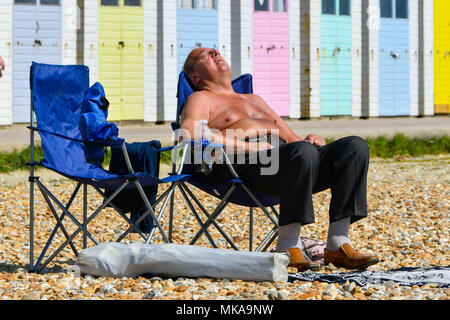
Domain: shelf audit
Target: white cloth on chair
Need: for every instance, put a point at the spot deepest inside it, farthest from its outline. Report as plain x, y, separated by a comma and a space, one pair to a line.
175, 260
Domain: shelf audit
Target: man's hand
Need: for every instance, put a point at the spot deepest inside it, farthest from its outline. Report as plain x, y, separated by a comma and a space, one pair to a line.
315, 140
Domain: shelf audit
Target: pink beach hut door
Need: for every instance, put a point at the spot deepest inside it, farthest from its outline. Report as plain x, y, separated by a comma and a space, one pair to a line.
271, 53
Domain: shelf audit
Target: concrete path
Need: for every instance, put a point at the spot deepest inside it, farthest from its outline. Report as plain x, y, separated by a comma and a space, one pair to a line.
17, 135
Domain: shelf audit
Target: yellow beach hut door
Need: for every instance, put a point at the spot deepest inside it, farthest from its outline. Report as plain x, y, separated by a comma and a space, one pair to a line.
121, 57
442, 56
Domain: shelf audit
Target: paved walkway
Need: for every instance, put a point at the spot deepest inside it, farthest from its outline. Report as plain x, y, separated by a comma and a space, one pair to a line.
17, 136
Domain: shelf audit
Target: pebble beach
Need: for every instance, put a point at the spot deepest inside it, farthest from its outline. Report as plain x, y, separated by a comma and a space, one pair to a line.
407, 226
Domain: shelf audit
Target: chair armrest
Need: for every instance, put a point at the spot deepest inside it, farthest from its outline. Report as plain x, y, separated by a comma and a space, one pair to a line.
193, 143
108, 142
104, 142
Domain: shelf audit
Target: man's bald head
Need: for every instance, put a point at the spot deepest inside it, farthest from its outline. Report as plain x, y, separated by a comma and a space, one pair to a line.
191, 60
206, 65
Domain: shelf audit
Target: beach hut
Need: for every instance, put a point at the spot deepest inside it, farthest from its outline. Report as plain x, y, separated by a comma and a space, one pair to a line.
271, 53
442, 56
6, 110
36, 36
121, 57
336, 58
119, 45
184, 25
394, 58
197, 26
44, 31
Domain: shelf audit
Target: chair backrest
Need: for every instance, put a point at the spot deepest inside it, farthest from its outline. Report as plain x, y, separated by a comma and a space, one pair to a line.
57, 94
242, 84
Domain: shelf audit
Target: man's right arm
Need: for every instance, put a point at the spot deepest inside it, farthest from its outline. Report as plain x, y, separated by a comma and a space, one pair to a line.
195, 109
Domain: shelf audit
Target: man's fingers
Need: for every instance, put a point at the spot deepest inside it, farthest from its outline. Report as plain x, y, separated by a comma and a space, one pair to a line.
321, 142
315, 140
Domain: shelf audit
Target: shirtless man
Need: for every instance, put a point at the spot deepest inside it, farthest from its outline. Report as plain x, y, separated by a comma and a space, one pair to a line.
307, 165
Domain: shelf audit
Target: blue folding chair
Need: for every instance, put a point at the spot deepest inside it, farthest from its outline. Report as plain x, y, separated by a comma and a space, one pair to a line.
234, 191
57, 93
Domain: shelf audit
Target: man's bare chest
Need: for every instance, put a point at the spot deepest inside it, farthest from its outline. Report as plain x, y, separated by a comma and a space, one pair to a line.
226, 111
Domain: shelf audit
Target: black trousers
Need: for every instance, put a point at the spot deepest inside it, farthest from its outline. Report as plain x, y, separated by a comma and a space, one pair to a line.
305, 169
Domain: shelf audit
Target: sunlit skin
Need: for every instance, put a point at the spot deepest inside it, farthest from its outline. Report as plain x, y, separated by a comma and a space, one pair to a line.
2, 66
217, 102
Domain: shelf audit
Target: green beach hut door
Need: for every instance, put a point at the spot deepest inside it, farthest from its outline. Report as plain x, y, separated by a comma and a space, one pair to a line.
336, 58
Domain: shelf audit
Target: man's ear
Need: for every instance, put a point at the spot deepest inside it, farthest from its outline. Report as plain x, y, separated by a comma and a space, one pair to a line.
196, 80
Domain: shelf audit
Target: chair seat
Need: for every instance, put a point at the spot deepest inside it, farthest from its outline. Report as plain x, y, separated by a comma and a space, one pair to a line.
113, 181
238, 197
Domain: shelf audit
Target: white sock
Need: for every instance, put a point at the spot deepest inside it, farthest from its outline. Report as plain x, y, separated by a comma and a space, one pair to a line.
338, 234
289, 237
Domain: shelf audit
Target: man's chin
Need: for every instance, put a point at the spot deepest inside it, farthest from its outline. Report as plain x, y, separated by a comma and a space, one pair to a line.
223, 67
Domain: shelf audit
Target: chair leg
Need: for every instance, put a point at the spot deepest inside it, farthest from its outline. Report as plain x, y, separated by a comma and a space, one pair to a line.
214, 215
197, 202
219, 208
275, 212
166, 196
268, 239
250, 237
156, 219
55, 229
57, 218
31, 180
258, 203
150, 210
135, 224
273, 233
123, 215
84, 214
80, 228
79, 225
172, 201
31, 266
197, 217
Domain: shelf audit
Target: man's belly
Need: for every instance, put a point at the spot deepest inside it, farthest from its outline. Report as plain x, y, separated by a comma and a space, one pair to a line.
249, 128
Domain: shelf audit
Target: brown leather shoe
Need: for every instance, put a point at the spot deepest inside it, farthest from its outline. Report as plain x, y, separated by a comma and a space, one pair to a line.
299, 261
349, 258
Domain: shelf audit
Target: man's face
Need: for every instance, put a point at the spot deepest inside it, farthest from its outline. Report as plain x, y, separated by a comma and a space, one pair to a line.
209, 63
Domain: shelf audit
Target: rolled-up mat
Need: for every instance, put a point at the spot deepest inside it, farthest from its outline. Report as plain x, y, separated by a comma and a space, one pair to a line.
174, 260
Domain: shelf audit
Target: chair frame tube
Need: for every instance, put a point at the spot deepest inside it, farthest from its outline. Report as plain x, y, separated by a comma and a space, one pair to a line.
84, 214
31, 180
